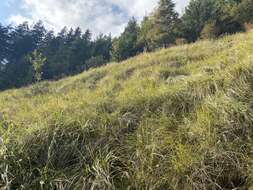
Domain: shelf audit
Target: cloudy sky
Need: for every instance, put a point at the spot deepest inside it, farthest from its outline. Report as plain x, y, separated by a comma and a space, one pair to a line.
102, 16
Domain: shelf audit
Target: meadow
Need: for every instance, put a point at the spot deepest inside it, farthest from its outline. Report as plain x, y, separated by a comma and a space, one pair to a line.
178, 118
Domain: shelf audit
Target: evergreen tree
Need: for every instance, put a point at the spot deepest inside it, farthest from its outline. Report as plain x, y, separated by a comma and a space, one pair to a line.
102, 46
200, 13
4, 45
165, 20
38, 33
244, 13
226, 20
4, 53
196, 15
22, 43
127, 44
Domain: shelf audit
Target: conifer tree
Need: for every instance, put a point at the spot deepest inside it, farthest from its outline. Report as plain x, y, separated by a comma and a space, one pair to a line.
165, 20
127, 44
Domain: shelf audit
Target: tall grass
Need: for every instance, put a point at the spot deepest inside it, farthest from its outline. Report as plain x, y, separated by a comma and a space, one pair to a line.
179, 118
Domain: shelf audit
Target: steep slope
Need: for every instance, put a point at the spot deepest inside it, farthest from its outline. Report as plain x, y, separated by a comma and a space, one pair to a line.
180, 118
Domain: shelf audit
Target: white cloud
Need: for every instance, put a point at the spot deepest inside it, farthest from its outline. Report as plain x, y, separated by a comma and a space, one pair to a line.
101, 16
18, 19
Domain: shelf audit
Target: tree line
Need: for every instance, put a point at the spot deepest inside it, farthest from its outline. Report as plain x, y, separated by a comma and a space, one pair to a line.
32, 53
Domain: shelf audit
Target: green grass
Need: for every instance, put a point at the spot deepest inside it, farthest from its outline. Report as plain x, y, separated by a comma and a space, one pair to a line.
179, 118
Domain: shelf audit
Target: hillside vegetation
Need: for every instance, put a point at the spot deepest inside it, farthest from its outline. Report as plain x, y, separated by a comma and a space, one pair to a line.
179, 118
32, 53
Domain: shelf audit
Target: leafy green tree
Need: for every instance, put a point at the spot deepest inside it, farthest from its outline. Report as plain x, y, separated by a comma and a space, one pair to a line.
37, 60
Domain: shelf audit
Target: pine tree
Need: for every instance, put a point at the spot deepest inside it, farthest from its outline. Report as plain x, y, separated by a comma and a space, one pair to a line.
200, 13
165, 20
245, 11
127, 44
4, 45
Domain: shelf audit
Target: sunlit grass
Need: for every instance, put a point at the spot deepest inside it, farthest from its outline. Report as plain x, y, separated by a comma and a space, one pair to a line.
178, 118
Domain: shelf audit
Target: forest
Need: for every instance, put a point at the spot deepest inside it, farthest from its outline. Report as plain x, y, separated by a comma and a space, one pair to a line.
32, 53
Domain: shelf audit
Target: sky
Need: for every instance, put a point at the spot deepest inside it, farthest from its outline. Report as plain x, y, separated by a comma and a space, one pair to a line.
101, 16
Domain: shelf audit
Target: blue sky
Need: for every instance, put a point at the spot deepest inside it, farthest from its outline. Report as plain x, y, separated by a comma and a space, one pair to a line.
8, 8
102, 16
5, 10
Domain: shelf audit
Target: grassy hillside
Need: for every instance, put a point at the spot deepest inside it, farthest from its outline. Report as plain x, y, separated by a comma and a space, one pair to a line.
180, 118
